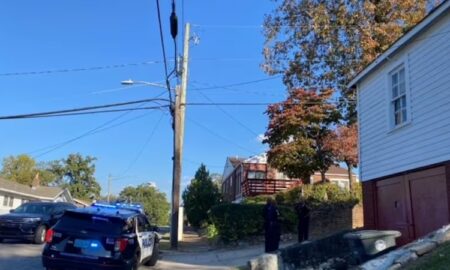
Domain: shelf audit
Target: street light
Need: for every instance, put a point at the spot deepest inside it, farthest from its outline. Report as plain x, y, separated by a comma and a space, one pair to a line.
132, 82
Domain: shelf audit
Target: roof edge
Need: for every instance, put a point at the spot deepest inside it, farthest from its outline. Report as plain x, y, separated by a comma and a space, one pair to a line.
401, 42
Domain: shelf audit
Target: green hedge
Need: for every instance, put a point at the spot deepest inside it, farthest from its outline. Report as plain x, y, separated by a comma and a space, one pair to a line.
239, 221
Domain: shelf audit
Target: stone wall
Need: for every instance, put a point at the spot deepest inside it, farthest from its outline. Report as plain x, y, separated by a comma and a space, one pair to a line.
325, 224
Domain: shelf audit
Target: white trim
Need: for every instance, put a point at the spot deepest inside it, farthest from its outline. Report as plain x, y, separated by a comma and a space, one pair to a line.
400, 43
401, 63
30, 195
358, 110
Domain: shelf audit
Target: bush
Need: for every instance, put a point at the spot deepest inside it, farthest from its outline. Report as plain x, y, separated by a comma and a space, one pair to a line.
239, 221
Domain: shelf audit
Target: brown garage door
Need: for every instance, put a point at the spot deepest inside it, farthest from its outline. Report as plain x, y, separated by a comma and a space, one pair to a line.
392, 207
414, 204
428, 200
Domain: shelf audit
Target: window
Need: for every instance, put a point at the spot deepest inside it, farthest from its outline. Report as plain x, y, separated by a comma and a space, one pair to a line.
143, 224
11, 201
399, 108
256, 175
5, 201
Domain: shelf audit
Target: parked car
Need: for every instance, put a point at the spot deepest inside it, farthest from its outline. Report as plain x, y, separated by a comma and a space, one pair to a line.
103, 236
31, 220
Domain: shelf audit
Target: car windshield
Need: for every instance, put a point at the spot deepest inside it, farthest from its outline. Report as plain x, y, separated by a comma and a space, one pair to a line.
34, 208
72, 221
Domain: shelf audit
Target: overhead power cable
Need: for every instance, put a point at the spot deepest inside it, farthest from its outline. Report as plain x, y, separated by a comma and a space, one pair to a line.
239, 83
66, 70
229, 115
91, 109
101, 128
161, 35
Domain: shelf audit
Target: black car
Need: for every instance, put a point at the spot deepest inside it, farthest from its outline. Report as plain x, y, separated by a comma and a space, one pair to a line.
31, 220
103, 236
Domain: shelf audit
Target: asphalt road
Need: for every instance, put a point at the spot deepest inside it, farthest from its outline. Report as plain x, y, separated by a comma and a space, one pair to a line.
23, 256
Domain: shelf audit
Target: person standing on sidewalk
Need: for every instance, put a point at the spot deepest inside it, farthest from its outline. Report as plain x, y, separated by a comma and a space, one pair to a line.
271, 226
303, 221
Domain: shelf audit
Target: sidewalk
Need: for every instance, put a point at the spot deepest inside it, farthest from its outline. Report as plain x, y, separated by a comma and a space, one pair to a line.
195, 253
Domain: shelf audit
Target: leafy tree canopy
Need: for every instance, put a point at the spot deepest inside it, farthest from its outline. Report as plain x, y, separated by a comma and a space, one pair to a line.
23, 169
326, 43
77, 174
297, 132
155, 202
200, 196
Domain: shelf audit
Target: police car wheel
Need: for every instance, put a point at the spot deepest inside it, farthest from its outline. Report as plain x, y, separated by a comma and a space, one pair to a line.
155, 255
39, 236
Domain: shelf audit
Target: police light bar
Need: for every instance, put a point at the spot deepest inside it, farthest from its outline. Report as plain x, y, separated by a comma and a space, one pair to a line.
105, 205
130, 206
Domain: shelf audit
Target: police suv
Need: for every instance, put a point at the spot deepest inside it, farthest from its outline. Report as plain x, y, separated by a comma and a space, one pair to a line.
103, 236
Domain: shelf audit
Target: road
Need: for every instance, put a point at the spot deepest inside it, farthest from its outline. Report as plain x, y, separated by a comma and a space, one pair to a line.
24, 256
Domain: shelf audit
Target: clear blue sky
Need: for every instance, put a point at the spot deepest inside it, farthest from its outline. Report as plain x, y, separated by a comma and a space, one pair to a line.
53, 35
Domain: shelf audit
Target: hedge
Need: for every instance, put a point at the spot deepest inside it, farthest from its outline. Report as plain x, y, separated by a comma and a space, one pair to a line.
239, 221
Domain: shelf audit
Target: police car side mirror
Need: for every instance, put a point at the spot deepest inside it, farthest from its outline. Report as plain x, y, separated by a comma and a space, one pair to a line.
11, 211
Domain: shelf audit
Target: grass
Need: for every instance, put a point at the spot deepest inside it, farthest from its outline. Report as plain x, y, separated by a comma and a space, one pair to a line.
438, 259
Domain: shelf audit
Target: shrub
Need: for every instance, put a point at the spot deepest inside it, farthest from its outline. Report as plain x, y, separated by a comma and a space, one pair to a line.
240, 221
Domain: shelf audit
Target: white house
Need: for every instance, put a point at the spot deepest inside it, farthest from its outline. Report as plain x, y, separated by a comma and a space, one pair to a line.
404, 130
13, 194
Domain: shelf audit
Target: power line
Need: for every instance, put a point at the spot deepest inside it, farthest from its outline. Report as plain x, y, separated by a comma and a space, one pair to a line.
147, 141
161, 35
98, 129
231, 116
220, 136
66, 70
239, 83
75, 110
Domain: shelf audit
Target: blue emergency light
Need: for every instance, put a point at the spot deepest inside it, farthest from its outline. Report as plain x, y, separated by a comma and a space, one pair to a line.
118, 206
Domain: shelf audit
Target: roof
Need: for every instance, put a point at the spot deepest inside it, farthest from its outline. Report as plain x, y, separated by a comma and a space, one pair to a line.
82, 202
106, 212
235, 161
39, 192
426, 22
337, 170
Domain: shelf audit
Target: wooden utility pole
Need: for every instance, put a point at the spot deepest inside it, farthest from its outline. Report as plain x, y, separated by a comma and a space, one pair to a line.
179, 112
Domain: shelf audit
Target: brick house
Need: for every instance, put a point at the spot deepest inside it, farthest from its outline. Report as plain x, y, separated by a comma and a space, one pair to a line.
404, 126
247, 177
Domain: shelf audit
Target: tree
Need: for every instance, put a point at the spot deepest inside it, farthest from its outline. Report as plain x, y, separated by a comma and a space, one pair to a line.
76, 173
155, 202
297, 131
200, 196
325, 43
23, 169
343, 142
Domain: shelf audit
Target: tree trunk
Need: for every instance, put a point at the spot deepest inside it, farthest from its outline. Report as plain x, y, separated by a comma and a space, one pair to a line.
324, 178
350, 176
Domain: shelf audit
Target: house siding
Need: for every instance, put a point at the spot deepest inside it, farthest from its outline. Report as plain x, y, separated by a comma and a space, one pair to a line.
424, 141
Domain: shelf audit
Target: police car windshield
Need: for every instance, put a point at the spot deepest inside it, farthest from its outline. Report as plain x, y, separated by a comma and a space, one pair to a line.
34, 208
73, 221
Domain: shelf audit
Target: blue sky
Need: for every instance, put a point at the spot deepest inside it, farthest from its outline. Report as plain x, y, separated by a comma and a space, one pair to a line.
54, 35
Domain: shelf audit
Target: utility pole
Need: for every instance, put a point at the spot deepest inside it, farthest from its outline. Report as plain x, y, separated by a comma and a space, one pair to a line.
179, 113
109, 186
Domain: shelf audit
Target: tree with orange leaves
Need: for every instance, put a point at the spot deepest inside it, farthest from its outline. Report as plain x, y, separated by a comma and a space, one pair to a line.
343, 143
298, 128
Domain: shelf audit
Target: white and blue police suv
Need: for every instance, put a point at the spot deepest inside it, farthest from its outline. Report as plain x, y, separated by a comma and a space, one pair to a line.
102, 236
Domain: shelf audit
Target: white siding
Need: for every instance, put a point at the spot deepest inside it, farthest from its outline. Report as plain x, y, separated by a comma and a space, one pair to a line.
426, 140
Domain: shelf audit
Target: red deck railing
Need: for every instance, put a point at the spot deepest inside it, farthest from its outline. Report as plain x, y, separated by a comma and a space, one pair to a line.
253, 187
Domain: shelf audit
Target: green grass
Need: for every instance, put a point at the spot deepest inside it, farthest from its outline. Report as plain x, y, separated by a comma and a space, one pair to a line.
438, 259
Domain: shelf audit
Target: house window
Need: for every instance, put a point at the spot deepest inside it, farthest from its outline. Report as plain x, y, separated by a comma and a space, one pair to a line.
399, 108
11, 201
5, 201
256, 175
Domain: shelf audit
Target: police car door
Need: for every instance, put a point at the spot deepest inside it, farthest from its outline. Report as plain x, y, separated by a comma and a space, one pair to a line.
145, 237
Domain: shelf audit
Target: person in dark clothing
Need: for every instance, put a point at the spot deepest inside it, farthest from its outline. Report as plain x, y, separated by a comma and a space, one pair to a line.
271, 226
303, 221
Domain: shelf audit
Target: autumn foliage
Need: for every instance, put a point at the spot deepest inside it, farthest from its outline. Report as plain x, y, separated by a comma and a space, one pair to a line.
297, 133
